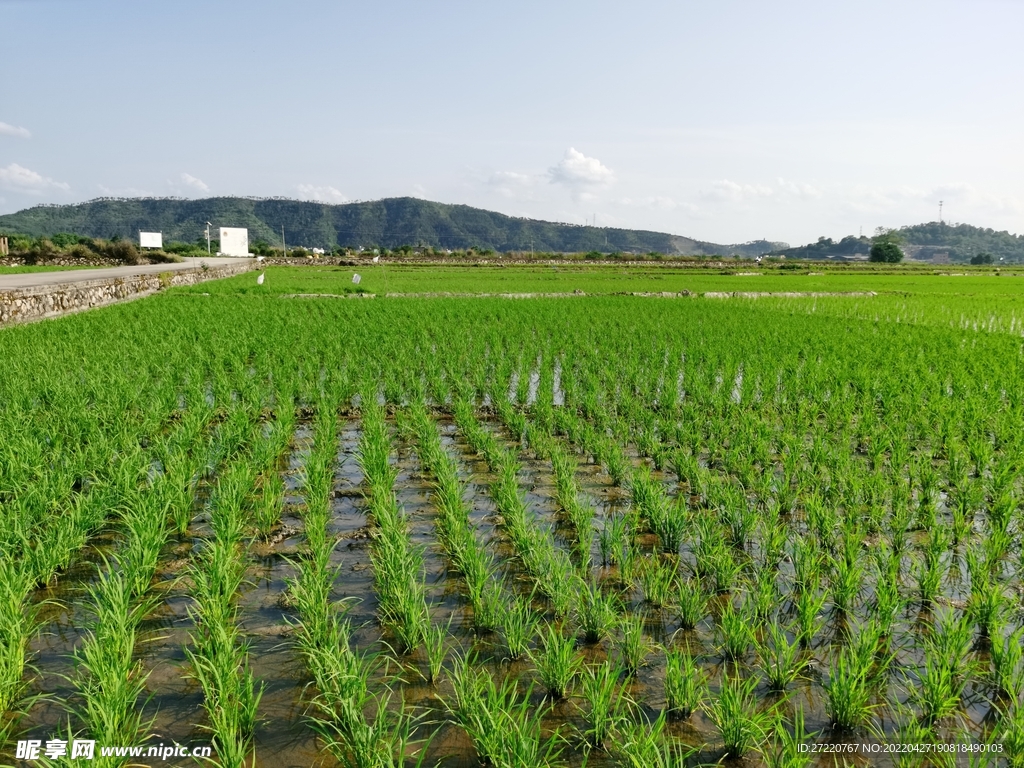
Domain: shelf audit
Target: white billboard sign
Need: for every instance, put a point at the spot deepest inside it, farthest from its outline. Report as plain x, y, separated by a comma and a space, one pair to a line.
234, 241
151, 240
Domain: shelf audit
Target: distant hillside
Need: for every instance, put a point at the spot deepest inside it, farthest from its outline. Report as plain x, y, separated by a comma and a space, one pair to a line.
387, 223
934, 241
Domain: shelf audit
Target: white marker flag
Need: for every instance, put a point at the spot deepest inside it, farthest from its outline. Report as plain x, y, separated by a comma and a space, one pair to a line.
356, 278
259, 280
376, 259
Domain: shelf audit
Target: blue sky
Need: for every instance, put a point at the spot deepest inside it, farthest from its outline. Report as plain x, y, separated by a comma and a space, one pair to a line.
725, 121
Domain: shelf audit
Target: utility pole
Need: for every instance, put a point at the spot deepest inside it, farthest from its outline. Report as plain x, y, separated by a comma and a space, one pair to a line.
284, 249
940, 212
207, 238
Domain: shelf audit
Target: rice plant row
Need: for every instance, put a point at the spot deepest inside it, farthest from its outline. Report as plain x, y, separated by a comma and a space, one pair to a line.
218, 651
110, 679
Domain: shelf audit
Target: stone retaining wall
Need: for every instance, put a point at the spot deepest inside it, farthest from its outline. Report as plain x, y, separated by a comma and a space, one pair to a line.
22, 305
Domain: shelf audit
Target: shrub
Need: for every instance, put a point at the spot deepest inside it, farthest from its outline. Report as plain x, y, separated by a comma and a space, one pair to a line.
121, 250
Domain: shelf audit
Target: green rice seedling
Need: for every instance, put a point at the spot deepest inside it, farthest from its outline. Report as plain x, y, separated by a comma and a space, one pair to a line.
17, 624
579, 513
615, 463
218, 660
658, 580
937, 691
504, 729
1010, 735
987, 605
849, 690
822, 520
720, 567
434, 646
1007, 666
899, 529
606, 703
267, 511
668, 519
789, 748
382, 741
736, 715
888, 606
632, 644
692, 602
932, 569
414, 623
989, 753
145, 536
774, 535
888, 564
612, 539
109, 682
930, 576
520, 626
686, 466
558, 582
808, 563
735, 632
913, 731
847, 580
488, 609
686, 686
779, 659
556, 660
581, 550
951, 641
596, 613
649, 746
873, 652
179, 490
764, 597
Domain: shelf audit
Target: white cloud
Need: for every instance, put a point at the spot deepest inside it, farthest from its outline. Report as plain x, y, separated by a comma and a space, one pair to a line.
21, 179
499, 178
321, 194
656, 202
578, 172
663, 204
124, 191
908, 200
192, 181
799, 189
512, 184
729, 191
14, 130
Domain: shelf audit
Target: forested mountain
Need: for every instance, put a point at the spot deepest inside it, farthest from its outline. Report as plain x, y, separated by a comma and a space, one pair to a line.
387, 223
934, 241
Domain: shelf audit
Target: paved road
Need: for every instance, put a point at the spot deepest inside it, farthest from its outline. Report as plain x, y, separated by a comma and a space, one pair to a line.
36, 279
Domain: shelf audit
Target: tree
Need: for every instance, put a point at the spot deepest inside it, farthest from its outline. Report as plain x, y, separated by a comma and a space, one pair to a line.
982, 258
885, 247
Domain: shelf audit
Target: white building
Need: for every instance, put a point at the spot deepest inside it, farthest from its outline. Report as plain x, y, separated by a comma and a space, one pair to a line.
234, 241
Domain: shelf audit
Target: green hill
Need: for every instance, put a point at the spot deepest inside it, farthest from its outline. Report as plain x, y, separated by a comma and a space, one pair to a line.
388, 223
934, 241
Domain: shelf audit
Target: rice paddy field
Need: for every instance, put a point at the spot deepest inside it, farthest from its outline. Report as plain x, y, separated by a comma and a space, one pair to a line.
601, 530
